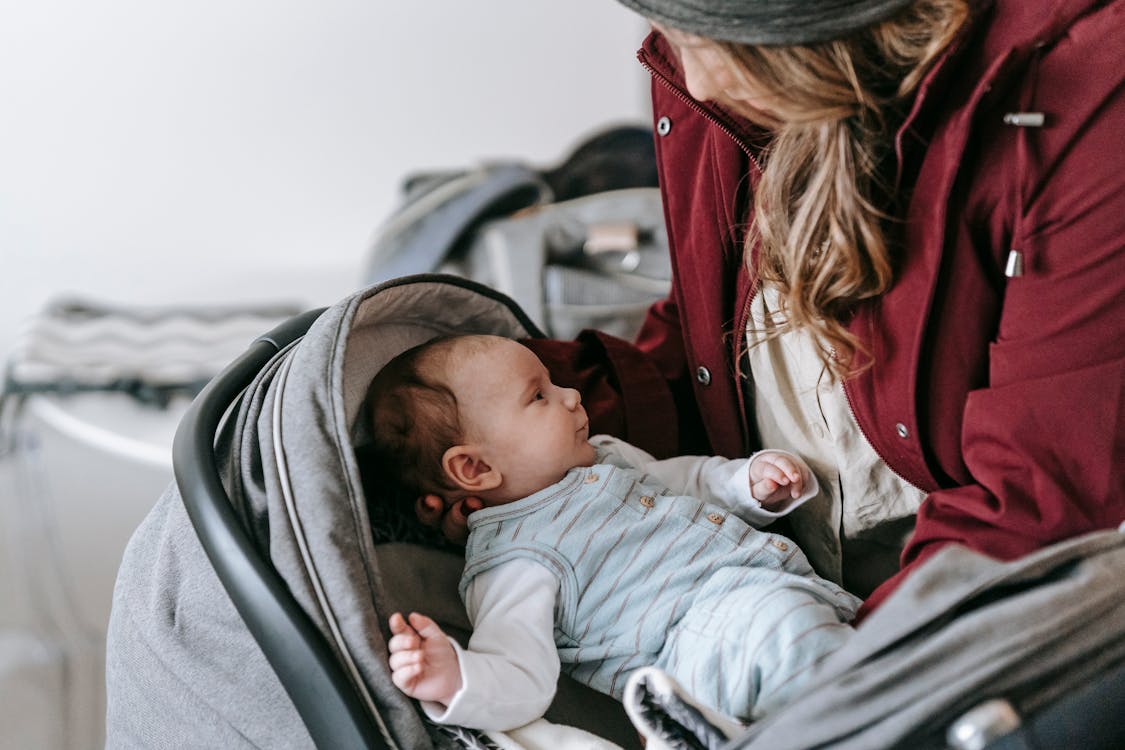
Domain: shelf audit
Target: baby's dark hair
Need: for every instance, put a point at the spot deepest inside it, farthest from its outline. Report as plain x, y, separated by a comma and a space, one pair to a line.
414, 416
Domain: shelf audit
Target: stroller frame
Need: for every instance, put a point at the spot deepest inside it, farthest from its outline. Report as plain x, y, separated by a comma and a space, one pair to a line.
320, 689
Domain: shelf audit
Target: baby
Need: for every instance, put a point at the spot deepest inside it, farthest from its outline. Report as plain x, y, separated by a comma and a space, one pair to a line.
589, 553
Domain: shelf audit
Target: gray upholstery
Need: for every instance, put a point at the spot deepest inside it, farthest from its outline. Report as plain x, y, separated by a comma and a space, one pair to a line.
962, 629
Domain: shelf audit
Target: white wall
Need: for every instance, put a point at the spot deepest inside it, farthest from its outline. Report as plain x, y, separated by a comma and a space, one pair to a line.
219, 150
232, 151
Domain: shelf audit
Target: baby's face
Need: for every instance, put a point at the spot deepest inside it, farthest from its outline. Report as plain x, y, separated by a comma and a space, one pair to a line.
530, 429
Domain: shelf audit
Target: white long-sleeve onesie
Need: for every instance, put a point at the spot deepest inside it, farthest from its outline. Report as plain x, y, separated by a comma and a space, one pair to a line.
510, 669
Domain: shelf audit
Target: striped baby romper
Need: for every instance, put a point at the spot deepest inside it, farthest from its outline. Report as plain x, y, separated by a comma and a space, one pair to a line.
651, 578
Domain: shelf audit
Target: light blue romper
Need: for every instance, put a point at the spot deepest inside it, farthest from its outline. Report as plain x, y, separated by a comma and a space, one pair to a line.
648, 578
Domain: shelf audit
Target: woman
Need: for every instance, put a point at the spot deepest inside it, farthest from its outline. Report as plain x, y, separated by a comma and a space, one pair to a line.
896, 230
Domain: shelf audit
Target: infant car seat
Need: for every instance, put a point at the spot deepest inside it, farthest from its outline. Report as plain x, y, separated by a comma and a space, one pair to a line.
251, 605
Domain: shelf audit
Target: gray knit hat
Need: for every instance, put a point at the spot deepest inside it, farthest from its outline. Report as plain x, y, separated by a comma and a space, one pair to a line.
767, 21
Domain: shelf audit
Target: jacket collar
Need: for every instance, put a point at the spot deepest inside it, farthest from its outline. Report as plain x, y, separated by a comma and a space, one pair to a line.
658, 57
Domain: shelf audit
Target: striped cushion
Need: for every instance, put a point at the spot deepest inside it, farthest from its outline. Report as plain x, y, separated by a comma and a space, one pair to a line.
78, 345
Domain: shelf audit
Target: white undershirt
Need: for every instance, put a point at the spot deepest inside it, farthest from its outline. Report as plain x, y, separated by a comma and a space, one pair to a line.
865, 510
511, 667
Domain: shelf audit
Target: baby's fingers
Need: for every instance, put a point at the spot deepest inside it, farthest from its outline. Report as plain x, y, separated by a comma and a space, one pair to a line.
406, 678
398, 624
404, 642
787, 465
455, 523
425, 627
429, 509
776, 473
403, 659
764, 489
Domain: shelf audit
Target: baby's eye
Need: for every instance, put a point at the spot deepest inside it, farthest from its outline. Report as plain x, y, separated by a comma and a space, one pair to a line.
538, 396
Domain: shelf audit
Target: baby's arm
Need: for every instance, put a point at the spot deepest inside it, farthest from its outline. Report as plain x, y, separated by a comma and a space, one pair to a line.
715, 479
510, 670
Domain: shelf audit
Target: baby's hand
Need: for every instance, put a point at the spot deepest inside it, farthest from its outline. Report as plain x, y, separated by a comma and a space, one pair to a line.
775, 478
423, 663
452, 518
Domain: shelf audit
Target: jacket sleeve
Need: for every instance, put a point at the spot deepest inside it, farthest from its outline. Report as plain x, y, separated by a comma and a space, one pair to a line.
638, 392
1048, 454
1045, 440
662, 339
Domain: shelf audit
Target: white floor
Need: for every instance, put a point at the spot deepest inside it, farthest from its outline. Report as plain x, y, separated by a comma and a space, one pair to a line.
83, 472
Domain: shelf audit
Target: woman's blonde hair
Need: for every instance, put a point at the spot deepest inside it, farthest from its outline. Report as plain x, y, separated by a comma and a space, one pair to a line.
823, 206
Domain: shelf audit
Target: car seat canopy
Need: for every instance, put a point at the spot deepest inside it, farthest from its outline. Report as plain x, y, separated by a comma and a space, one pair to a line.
287, 459
299, 482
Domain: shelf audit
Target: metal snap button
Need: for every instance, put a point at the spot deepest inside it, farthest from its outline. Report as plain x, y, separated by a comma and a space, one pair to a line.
900, 428
648, 501
591, 478
716, 518
779, 544
703, 375
664, 126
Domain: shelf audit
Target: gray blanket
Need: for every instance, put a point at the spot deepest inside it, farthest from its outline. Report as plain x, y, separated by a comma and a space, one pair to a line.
963, 629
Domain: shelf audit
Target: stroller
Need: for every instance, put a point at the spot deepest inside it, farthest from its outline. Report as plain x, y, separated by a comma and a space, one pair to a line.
250, 608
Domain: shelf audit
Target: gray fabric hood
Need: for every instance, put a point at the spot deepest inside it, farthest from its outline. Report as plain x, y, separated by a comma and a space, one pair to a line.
179, 658
294, 475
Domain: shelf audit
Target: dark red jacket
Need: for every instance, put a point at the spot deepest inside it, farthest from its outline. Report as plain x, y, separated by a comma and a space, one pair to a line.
1001, 397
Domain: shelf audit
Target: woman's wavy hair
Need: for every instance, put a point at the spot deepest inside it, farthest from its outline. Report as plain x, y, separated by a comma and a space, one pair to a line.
823, 207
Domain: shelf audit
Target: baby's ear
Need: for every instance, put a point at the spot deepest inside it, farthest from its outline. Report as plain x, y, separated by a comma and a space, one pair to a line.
466, 469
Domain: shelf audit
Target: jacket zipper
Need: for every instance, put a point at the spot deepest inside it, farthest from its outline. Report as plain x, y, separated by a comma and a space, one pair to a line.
879, 453
702, 111
696, 106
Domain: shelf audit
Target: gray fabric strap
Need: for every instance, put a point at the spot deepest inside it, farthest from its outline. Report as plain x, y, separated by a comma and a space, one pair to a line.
776, 22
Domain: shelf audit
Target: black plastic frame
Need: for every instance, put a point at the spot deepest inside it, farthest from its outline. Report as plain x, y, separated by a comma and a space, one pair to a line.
321, 690
1087, 718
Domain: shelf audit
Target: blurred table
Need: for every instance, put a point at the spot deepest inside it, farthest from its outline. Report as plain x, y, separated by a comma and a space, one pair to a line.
77, 475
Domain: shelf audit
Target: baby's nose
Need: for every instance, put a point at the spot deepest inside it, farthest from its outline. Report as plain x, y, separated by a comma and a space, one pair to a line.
571, 398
